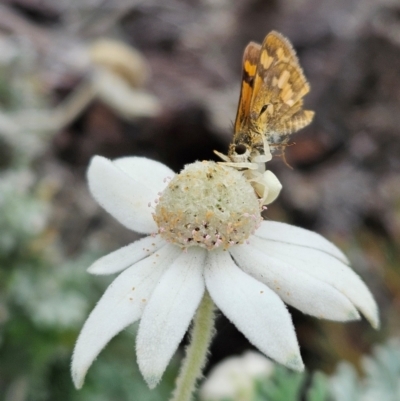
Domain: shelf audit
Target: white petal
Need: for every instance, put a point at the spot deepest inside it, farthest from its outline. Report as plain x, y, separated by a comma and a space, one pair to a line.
295, 287
288, 234
139, 167
274, 186
124, 257
168, 314
122, 304
253, 308
127, 196
326, 268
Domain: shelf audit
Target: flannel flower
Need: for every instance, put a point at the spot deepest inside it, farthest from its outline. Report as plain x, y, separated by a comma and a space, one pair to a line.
207, 236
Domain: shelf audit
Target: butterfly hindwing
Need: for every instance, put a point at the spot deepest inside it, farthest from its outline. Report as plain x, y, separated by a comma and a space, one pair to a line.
279, 86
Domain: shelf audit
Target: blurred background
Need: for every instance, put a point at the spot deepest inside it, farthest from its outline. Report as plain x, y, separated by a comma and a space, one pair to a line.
161, 79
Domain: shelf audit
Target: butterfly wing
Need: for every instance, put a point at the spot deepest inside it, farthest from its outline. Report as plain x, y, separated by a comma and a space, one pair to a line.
278, 88
249, 68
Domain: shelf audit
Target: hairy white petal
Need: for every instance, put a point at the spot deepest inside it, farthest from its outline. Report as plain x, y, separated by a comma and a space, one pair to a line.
326, 268
295, 287
168, 313
288, 234
126, 256
122, 304
150, 173
253, 308
124, 196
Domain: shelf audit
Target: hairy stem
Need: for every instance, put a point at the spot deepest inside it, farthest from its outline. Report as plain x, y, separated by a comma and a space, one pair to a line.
196, 352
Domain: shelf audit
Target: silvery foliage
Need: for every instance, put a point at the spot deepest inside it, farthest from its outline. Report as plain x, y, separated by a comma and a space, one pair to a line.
380, 380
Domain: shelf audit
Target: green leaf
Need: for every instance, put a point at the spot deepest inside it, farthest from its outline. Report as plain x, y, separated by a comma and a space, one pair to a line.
319, 390
283, 385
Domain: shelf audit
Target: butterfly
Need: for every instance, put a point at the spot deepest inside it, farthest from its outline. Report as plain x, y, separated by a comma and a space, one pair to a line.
270, 103
270, 110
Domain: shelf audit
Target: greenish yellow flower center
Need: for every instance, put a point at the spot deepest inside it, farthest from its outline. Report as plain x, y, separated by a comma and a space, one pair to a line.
207, 205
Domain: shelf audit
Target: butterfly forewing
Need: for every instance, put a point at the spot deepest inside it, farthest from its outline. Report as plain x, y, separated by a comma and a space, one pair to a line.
249, 68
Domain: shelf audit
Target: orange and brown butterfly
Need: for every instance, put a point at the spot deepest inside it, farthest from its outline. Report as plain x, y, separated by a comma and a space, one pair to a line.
271, 101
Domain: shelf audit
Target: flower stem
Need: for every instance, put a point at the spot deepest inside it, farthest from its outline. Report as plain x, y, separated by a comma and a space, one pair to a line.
196, 352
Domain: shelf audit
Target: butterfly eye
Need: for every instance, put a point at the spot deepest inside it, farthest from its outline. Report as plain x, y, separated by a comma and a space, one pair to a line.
240, 149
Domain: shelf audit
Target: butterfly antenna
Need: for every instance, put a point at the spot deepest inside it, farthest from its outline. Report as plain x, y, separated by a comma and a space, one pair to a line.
283, 154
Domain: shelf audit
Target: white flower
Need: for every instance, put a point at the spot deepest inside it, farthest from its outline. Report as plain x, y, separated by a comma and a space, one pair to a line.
234, 378
163, 277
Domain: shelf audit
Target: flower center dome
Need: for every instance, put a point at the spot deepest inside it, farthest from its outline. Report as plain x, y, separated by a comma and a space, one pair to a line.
207, 205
